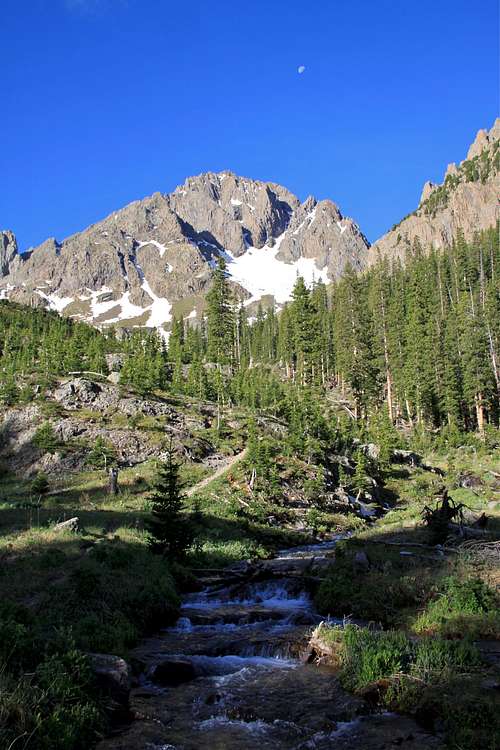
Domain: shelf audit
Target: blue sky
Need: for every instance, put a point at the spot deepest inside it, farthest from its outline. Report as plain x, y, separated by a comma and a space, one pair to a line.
106, 101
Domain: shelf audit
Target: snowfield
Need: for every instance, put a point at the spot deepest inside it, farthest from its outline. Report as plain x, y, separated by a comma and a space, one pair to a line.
260, 272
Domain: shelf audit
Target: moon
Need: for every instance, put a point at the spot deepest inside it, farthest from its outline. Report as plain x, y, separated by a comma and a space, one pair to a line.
301, 69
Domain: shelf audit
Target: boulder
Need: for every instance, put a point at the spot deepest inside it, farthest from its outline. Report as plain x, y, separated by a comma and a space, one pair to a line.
72, 524
115, 361
364, 510
470, 481
173, 671
342, 461
406, 457
75, 393
361, 561
113, 678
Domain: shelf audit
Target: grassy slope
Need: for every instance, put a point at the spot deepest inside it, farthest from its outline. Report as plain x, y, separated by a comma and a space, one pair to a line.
433, 608
100, 589
63, 594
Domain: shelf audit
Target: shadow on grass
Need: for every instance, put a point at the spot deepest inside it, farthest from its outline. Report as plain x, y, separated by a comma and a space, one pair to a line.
396, 578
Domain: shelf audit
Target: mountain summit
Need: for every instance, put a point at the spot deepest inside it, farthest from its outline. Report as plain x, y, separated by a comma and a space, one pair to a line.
153, 258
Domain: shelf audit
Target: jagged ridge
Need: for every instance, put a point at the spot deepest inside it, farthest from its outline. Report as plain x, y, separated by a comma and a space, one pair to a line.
466, 201
153, 258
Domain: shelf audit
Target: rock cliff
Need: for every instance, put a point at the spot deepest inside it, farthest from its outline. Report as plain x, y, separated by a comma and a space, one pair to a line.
467, 200
153, 258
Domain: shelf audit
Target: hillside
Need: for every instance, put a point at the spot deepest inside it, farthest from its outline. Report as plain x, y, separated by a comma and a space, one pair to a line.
177, 517
282, 433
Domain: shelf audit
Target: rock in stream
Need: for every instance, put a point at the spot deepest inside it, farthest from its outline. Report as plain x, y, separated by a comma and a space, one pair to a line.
245, 684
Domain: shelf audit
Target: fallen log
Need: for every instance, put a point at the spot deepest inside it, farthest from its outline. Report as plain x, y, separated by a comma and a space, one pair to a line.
468, 532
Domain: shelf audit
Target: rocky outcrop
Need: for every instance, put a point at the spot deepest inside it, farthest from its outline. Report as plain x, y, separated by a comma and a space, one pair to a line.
427, 190
8, 251
173, 671
153, 258
88, 411
466, 201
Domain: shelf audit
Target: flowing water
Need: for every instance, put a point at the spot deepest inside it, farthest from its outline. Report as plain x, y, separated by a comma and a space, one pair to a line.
242, 641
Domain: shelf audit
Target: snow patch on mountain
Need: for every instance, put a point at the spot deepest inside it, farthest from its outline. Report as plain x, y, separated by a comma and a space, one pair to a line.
159, 310
54, 301
261, 273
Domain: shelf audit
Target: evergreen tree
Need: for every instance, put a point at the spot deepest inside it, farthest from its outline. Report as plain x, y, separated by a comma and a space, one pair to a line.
354, 341
101, 454
220, 318
45, 438
170, 530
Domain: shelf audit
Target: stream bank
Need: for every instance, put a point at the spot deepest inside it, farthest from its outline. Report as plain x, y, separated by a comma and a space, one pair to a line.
232, 673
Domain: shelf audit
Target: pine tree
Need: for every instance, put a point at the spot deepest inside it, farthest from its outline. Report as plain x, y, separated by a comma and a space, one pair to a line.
45, 438
220, 318
354, 341
176, 341
170, 531
40, 484
305, 332
101, 454
220, 332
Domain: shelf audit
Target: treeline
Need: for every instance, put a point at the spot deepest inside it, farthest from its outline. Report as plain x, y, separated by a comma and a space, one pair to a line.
37, 345
421, 336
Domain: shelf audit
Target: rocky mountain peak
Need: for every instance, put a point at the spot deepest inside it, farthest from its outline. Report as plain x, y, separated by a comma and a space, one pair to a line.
465, 200
426, 191
484, 139
153, 258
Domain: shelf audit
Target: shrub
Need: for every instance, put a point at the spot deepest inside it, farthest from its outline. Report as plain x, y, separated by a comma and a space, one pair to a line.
463, 607
368, 656
86, 581
45, 439
40, 484
55, 705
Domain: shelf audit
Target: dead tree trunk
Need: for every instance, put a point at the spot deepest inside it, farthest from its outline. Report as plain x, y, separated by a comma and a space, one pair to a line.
113, 481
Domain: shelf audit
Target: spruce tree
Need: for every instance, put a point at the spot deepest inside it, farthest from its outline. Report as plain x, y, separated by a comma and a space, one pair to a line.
45, 438
220, 332
220, 318
170, 531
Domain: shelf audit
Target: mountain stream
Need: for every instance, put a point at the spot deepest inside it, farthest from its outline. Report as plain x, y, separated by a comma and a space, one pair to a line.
233, 674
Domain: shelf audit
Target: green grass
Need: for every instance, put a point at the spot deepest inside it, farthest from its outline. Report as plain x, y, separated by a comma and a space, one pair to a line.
65, 594
436, 679
431, 606
461, 606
